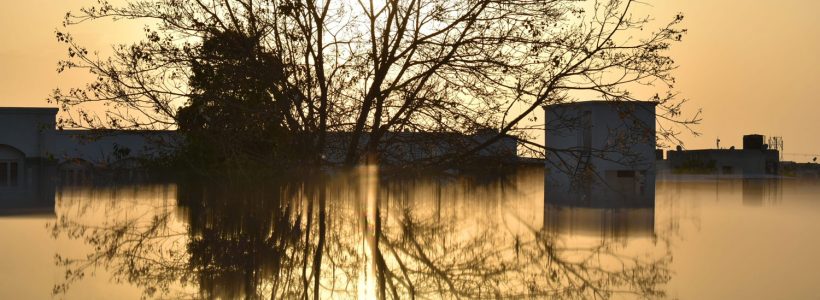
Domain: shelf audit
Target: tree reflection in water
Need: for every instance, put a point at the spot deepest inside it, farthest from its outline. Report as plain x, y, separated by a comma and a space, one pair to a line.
354, 236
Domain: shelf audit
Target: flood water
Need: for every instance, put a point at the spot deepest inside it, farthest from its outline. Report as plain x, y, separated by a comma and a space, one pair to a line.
359, 235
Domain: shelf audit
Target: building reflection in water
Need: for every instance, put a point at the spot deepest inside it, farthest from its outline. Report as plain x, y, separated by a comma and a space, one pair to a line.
602, 208
32, 196
757, 192
32, 189
604, 222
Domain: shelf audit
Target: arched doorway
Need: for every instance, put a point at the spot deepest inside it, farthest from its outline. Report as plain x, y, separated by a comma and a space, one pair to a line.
11, 166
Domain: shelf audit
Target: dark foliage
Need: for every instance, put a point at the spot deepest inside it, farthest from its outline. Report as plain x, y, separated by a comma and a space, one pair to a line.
237, 108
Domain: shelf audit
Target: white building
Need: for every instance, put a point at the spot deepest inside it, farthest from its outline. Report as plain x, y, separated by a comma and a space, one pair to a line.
600, 154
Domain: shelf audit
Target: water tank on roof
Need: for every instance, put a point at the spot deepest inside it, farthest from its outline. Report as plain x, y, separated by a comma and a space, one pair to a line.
753, 142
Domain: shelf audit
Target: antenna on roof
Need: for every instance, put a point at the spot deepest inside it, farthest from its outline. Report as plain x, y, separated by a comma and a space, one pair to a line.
776, 143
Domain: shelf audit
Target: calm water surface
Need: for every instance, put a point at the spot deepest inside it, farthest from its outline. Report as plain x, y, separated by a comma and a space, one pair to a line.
361, 236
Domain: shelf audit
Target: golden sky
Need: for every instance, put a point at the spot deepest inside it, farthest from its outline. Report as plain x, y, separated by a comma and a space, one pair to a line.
750, 65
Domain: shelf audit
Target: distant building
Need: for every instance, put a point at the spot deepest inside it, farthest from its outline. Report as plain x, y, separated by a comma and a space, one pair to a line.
755, 159
799, 170
600, 154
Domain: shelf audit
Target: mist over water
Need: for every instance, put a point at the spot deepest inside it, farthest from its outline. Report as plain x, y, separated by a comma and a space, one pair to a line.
428, 237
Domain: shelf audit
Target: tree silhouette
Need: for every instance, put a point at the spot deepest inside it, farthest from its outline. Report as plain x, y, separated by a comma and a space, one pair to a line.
237, 108
315, 68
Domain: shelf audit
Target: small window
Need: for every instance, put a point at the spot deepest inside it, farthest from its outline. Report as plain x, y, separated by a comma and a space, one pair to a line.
9, 173
4, 174
13, 174
626, 174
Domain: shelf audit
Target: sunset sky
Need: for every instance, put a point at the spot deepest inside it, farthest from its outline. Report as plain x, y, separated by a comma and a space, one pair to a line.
752, 66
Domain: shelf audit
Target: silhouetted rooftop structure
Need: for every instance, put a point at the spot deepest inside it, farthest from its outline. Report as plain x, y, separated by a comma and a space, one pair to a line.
755, 159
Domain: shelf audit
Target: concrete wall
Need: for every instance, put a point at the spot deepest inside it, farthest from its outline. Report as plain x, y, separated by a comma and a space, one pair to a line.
108, 148
598, 151
408, 147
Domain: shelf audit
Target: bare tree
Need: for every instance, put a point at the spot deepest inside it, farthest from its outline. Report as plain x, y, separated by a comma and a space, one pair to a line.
369, 68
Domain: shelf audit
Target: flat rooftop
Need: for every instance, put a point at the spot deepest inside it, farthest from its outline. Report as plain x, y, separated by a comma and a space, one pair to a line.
602, 102
29, 110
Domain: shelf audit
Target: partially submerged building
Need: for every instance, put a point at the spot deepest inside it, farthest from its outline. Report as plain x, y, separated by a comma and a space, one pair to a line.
755, 159
600, 154
34, 154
